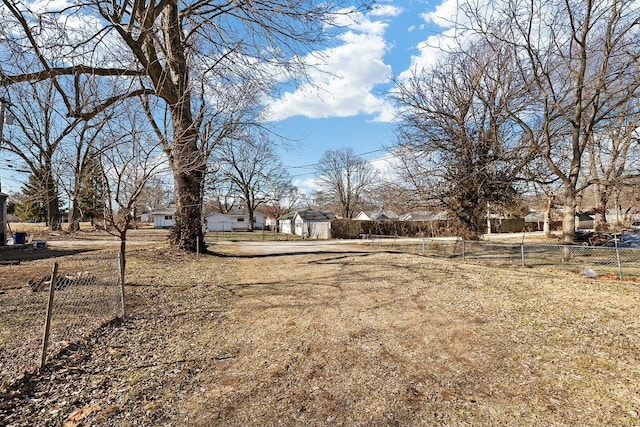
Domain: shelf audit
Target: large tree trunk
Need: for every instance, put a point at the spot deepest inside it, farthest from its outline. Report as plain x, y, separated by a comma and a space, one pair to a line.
187, 228
189, 167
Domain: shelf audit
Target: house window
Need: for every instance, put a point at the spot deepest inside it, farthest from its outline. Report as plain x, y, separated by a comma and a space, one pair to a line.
168, 217
240, 219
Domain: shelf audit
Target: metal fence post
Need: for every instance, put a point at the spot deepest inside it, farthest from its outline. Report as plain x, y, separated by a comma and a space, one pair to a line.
122, 295
522, 253
463, 248
47, 323
615, 239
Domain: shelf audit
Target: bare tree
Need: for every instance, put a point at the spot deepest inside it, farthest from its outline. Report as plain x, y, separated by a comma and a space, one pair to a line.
183, 55
284, 198
345, 179
578, 63
252, 170
127, 167
36, 136
156, 194
456, 139
608, 153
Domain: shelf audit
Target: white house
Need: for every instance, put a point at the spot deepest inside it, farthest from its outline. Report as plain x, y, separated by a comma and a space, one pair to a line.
235, 220
163, 218
377, 216
308, 223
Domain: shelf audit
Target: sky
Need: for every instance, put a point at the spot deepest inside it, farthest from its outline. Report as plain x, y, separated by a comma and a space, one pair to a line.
346, 105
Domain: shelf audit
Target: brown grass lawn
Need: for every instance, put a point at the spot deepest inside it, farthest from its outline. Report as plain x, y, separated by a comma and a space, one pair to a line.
350, 336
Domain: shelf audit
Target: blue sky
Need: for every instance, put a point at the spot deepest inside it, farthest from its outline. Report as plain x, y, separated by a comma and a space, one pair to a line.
346, 105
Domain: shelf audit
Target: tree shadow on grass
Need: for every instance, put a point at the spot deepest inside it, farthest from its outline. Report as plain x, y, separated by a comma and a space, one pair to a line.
11, 255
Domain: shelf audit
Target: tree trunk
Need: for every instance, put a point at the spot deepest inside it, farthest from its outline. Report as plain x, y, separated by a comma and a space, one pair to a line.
546, 227
569, 218
251, 216
74, 215
188, 165
187, 228
602, 200
123, 245
52, 201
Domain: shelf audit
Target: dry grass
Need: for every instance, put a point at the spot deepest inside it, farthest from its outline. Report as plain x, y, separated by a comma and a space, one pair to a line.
353, 337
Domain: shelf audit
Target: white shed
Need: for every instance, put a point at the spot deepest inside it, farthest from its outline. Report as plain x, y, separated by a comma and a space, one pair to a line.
163, 218
308, 223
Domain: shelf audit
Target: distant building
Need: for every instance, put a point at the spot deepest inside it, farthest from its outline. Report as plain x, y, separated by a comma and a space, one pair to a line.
308, 223
163, 218
377, 216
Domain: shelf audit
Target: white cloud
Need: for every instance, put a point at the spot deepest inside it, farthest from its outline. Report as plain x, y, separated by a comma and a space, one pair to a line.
444, 15
343, 82
386, 10
308, 186
42, 6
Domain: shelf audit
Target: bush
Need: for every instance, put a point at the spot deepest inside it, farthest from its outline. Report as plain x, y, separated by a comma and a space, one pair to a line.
351, 229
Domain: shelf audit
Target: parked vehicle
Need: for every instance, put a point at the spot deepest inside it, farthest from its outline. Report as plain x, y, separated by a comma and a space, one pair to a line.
635, 226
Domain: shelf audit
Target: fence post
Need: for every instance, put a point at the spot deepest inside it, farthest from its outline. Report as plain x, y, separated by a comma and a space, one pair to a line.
615, 239
122, 296
463, 248
522, 253
423, 246
47, 323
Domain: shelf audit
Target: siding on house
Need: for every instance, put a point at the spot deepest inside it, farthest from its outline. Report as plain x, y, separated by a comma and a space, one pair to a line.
308, 223
163, 218
236, 220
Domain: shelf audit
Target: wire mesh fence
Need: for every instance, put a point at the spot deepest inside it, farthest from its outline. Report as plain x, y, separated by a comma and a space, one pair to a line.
618, 262
86, 294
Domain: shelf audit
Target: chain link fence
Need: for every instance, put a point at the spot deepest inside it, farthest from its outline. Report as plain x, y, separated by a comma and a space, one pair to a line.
592, 261
86, 294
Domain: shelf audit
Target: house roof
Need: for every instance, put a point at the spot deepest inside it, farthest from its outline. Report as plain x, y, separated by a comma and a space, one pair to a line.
380, 215
424, 216
313, 215
535, 216
309, 215
165, 211
243, 212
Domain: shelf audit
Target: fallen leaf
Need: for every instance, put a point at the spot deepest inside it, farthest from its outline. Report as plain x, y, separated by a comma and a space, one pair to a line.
79, 414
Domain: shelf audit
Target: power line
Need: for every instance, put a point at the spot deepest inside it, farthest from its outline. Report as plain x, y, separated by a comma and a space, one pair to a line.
313, 165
